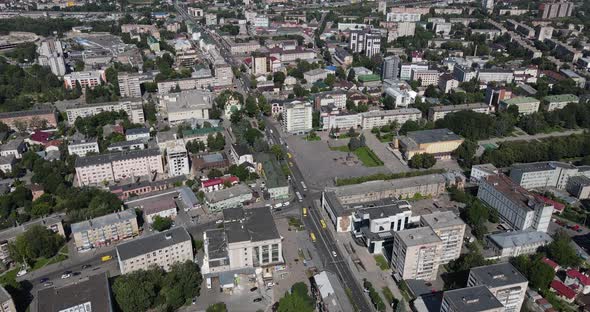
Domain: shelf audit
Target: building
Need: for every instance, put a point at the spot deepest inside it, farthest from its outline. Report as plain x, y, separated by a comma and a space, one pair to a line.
126, 146
495, 75
446, 83
416, 253
472, 299
400, 29
487, 5
276, 185
248, 240
144, 187
526, 105
297, 117
337, 119
553, 102
230, 197
83, 147
90, 293
130, 84
30, 119
403, 17
134, 134
161, 206
200, 134
186, 106
365, 41
15, 148
209, 161
504, 281
316, 75
439, 112
133, 108
7, 163
335, 98
177, 159
513, 244
51, 55
112, 167
84, 79
52, 222
557, 9
426, 77
406, 70
391, 66
450, 229
579, 187
6, 302
496, 95
162, 249
105, 230
216, 184
515, 205
543, 174
240, 154
329, 292
380, 118
463, 73
438, 142
578, 281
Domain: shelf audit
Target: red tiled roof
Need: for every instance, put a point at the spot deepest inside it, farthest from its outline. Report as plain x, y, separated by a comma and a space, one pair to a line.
562, 289
584, 280
217, 181
556, 205
551, 263
40, 136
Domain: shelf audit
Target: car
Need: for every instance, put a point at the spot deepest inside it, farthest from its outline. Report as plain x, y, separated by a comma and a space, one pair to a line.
334, 253
278, 209
43, 280
257, 299
195, 300
218, 221
76, 273
21, 272
86, 266
47, 284
253, 288
64, 276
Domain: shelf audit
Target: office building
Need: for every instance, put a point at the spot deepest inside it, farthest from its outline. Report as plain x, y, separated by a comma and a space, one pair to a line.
543, 174
515, 205
163, 249
439, 112
51, 55
504, 281
391, 66
416, 254
98, 169
177, 159
463, 73
557, 9
105, 230
579, 187
297, 117
438, 142
84, 79
450, 229
472, 299
526, 105
133, 108
186, 106
83, 147
372, 119
513, 244
403, 17
365, 41
553, 102
86, 294
316, 75
406, 70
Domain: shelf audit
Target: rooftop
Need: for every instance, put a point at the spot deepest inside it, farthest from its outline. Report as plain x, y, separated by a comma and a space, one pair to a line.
227, 193
433, 136
442, 219
135, 131
332, 292
92, 291
256, 225
103, 221
107, 158
369, 78
158, 205
562, 98
452, 108
472, 299
157, 241
541, 166
520, 100
272, 171
514, 192
497, 275
200, 132
519, 238
381, 208
187, 100
32, 112
418, 236
393, 112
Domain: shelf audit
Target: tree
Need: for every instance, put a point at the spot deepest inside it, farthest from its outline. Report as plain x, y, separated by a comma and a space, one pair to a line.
251, 106
217, 307
36, 242
562, 252
296, 301
351, 75
279, 78
161, 224
538, 273
388, 102
299, 91
138, 291
214, 173
278, 151
465, 153
354, 144
422, 161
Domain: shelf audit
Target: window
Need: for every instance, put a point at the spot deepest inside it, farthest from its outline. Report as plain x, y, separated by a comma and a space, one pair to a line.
275, 252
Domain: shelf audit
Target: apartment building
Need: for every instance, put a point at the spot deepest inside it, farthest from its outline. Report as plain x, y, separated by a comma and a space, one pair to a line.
391, 68
514, 204
91, 293
126, 146
186, 106
526, 105
450, 229
248, 240
31, 119
162, 249
447, 82
83, 147
495, 75
504, 281
403, 17
553, 102
416, 253
289, 56
16, 148
406, 70
335, 98
426, 77
297, 117
51, 55
316, 75
112, 167
463, 73
513, 244
85, 79
472, 299
130, 84
439, 112
177, 159
105, 230
543, 174
337, 119
365, 41
372, 119
133, 108
579, 187
243, 47
550, 10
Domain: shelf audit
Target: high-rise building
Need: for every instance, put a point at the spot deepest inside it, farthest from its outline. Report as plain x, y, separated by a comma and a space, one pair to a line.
556, 9
391, 67
383, 7
504, 281
487, 5
450, 228
51, 55
129, 84
177, 158
472, 299
416, 253
297, 117
365, 40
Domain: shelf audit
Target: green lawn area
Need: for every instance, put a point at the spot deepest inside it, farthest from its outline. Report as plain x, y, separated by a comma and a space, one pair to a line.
381, 262
313, 138
386, 138
62, 255
388, 294
9, 278
343, 148
368, 157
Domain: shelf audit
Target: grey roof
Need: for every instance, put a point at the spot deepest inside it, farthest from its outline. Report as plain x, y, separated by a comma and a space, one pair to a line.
126, 143
216, 246
432, 136
541, 166
84, 141
32, 112
579, 180
393, 112
233, 214
103, 221
11, 233
164, 136
442, 219
5, 160
257, 225
383, 185
187, 196
381, 208
4, 295
137, 131
332, 292
157, 241
107, 158
471, 299
188, 100
210, 158
497, 275
11, 145
418, 236
519, 238
452, 108
272, 171
241, 149
227, 193
94, 289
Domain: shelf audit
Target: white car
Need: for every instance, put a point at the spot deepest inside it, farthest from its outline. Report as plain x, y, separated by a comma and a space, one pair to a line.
334, 253
21, 272
66, 275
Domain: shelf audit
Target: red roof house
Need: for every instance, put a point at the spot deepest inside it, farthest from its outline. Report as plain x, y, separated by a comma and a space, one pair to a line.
581, 281
563, 291
551, 263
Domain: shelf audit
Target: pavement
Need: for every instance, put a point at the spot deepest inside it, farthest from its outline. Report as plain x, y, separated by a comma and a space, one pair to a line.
381, 150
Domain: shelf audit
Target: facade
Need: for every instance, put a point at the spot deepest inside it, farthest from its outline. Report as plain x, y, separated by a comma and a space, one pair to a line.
226, 198
496, 95
315, 75
463, 73
333, 118
6, 302
447, 82
51, 55
526, 105
553, 102
177, 159
91, 293
416, 254
83, 147
406, 70
112, 167
105, 230
129, 84
391, 66
558, 9
133, 108
438, 142
162, 249
503, 280
426, 77
7, 163
472, 299
335, 98
579, 186
543, 174
495, 75
479, 172
450, 229
52, 223
85, 79
380, 118
439, 112
403, 17
186, 106
14, 148
162, 206
365, 40
513, 244
297, 117
133, 134
515, 205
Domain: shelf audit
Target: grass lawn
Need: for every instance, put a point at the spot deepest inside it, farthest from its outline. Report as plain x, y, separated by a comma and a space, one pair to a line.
9, 278
368, 157
343, 148
388, 294
386, 138
381, 262
313, 138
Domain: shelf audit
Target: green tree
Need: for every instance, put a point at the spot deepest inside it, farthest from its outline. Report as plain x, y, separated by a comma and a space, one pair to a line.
562, 252
296, 301
139, 290
218, 307
278, 151
161, 224
351, 75
278, 78
465, 153
388, 102
251, 106
36, 242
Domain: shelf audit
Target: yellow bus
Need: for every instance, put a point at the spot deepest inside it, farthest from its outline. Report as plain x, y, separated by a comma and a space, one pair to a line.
312, 237
106, 258
304, 212
323, 223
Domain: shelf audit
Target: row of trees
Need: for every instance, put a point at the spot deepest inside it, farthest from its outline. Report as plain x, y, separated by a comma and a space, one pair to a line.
572, 116
475, 213
477, 126
422, 161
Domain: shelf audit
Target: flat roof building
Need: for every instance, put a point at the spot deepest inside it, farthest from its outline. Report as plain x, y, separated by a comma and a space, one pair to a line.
526, 105
472, 299
516, 243
543, 174
438, 142
105, 230
439, 112
87, 294
553, 102
416, 253
450, 228
230, 197
329, 292
186, 106
504, 281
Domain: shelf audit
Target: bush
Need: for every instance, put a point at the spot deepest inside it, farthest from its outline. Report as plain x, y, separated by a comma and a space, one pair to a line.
385, 176
161, 224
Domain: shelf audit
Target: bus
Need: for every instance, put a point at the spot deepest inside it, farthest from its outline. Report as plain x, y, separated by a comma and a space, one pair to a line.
304, 186
312, 237
323, 223
304, 212
299, 197
106, 258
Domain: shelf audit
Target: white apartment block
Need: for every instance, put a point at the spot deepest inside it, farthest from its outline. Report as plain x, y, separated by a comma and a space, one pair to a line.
51, 54
503, 280
515, 205
439, 112
543, 174
381, 118
162, 249
97, 169
297, 117
129, 85
337, 119
86, 79
471, 299
426, 77
337, 99
104, 230
526, 105
260, 21
83, 147
177, 158
450, 229
403, 17
479, 172
406, 70
416, 254
315, 75
133, 108
492, 75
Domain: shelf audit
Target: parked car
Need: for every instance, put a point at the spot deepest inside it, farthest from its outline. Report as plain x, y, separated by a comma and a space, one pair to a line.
334, 253
86, 266
47, 284
67, 274
257, 299
253, 288
21, 272
43, 280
